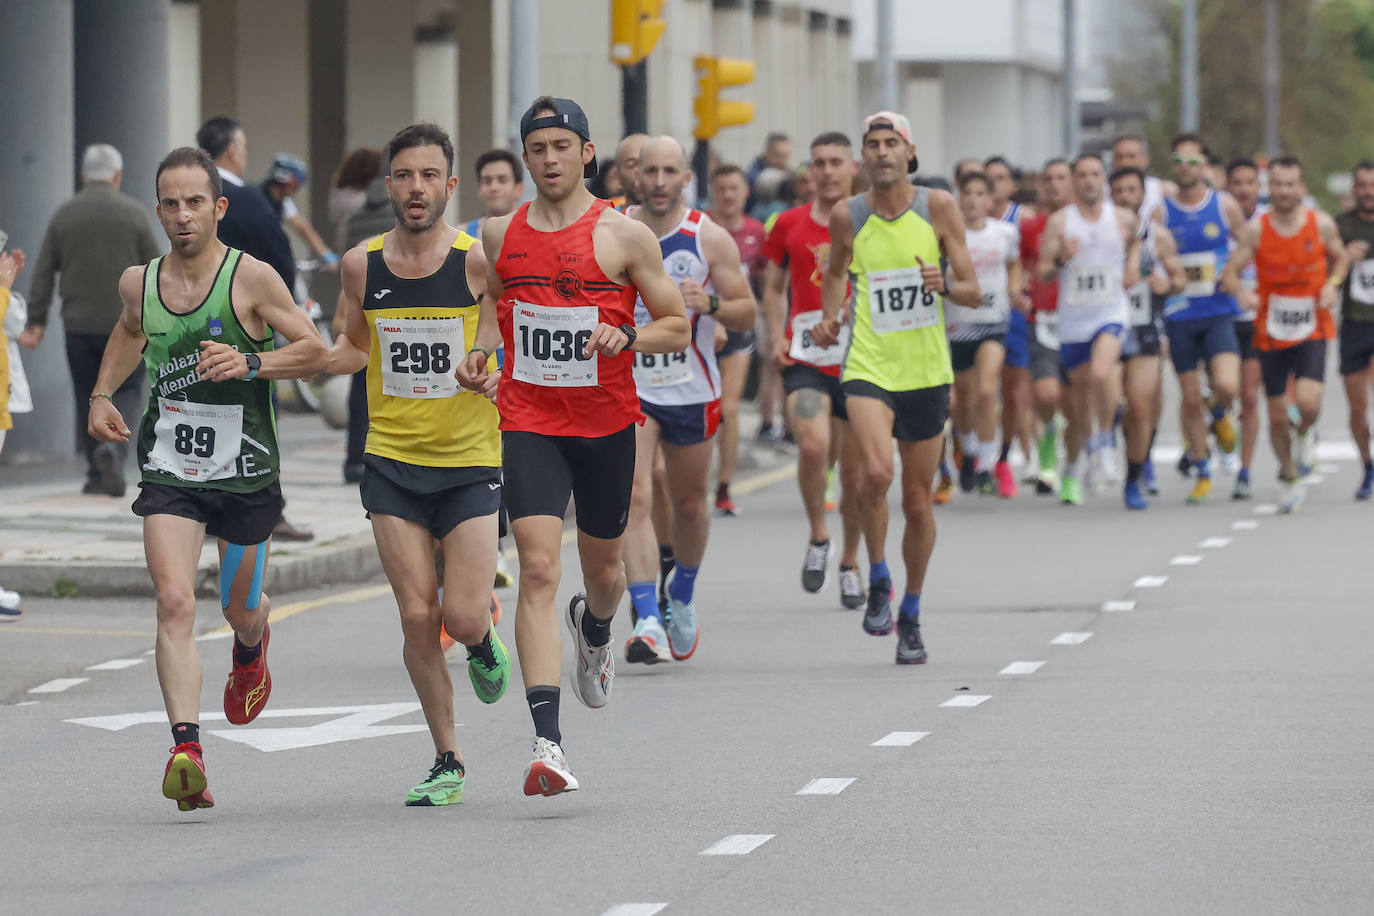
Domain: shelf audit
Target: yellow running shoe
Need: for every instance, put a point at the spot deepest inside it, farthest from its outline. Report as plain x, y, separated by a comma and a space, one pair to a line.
944, 492
1201, 489
1225, 431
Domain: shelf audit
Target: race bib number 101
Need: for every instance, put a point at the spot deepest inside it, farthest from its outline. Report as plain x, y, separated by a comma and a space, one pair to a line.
899, 301
550, 343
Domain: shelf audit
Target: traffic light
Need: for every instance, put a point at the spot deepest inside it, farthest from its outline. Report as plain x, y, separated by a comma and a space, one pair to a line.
713, 75
636, 26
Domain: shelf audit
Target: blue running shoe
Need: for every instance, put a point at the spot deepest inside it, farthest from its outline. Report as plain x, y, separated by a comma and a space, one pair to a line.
1134, 498
683, 633
1366, 489
1147, 477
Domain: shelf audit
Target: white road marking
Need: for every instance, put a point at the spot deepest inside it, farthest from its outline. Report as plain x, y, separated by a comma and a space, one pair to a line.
1186, 559
1071, 639
1328, 468
965, 701
827, 785
1150, 581
151, 652
1338, 450
634, 909
1022, 668
118, 664
214, 634
349, 726
1244, 524
899, 739
1214, 543
28, 703
1118, 606
60, 684
1266, 509
738, 844
1314, 478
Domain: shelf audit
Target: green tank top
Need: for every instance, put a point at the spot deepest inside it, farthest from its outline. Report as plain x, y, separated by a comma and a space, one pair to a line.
899, 341
194, 433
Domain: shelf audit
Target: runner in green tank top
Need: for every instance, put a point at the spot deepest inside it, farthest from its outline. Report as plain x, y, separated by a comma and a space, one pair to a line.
202, 319
891, 244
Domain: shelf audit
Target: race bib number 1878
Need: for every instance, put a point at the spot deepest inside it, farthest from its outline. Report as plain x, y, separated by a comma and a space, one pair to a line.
899, 301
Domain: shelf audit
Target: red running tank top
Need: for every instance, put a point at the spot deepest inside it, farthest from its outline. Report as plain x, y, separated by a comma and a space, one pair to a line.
1291, 271
555, 294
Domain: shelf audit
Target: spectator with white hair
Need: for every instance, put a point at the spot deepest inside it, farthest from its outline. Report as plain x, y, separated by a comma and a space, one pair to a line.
91, 239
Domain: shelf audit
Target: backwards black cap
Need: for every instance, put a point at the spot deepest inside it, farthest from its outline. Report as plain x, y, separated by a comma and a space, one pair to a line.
567, 115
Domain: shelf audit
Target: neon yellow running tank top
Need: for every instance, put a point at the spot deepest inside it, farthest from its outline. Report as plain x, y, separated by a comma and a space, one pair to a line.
899, 341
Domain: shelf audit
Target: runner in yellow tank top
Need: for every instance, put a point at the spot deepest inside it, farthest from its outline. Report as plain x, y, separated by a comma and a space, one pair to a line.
432, 466
890, 244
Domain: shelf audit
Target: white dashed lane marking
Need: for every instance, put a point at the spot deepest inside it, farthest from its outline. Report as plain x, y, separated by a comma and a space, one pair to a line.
1186, 559
738, 844
1266, 509
1150, 581
827, 785
1114, 607
27, 703
117, 664
58, 685
1244, 524
1071, 639
965, 701
1314, 478
1022, 668
1214, 543
899, 739
634, 909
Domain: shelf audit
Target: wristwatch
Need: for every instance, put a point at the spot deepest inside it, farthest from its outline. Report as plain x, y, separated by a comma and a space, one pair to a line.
629, 331
254, 362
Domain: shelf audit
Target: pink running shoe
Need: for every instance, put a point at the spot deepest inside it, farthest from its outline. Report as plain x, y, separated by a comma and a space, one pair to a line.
1006, 481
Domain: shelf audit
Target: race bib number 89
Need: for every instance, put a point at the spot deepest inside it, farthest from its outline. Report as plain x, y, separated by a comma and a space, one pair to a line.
899, 301
550, 343
197, 442
418, 356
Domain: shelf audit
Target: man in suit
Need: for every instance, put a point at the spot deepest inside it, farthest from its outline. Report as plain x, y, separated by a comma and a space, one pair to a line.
250, 225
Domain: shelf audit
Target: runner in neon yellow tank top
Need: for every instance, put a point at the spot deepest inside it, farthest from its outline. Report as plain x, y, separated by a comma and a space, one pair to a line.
202, 320
891, 242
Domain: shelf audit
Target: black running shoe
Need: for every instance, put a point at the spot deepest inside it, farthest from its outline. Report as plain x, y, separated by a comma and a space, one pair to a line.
910, 649
878, 616
968, 474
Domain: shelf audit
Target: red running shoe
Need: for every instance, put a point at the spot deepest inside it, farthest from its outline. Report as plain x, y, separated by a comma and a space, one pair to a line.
1006, 481
184, 779
249, 686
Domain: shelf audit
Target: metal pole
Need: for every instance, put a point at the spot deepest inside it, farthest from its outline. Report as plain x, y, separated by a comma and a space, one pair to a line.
887, 60
524, 67
1072, 120
1271, 77
1187, 103
634, 97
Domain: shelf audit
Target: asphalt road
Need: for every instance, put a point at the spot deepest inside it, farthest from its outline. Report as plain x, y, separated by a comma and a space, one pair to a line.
1205, 751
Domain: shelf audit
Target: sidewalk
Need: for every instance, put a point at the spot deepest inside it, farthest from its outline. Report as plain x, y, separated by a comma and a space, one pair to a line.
53, 540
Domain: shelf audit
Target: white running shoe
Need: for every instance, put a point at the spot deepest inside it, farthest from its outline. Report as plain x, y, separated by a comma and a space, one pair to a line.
683, 633
816, 568
1305, 451
547, 773
648, 644
1109, 465
853, 595
1290, 500
593, 667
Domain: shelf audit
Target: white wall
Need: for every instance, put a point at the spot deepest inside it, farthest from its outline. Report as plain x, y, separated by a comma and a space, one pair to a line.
968, 30
183, 63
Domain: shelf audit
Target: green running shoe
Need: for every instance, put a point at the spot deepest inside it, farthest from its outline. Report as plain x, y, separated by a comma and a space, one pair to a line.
489, 674
443, 786
1070, 491
1046, 446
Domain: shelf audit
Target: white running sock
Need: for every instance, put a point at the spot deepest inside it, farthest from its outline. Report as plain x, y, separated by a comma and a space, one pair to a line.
987, 455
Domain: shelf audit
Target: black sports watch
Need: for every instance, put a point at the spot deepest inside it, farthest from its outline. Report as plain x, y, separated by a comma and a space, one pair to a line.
254, 362
629, 331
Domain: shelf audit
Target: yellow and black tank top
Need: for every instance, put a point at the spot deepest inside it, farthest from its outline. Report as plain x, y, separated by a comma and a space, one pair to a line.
420, 329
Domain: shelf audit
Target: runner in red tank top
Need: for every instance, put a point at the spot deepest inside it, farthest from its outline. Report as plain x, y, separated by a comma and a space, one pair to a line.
1301, 264
564, 272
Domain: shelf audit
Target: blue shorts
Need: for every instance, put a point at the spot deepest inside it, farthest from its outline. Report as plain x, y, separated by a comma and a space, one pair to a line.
1073, 355
1018, 341
684, 424
1193, 341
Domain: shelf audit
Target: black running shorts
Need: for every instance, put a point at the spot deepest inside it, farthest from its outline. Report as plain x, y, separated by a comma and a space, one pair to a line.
437, 499
246, 519
1304, 360
917, 415
542, 472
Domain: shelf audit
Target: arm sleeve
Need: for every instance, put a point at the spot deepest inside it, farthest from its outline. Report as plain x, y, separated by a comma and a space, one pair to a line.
43, 278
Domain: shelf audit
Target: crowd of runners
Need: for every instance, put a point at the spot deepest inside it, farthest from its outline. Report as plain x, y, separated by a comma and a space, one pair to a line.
570, 349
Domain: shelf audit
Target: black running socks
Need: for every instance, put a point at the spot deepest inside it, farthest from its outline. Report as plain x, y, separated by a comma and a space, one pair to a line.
184, 732
243, 655
544, 711
596, 631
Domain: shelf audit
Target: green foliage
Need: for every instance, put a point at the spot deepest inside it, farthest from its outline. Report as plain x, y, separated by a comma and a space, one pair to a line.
64, 588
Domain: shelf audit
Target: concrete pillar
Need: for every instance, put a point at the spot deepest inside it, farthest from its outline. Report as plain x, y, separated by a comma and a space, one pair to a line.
479, 101
379, 73
327, 40
122, 96
794, 53
183, 62
774, 90
36, 152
